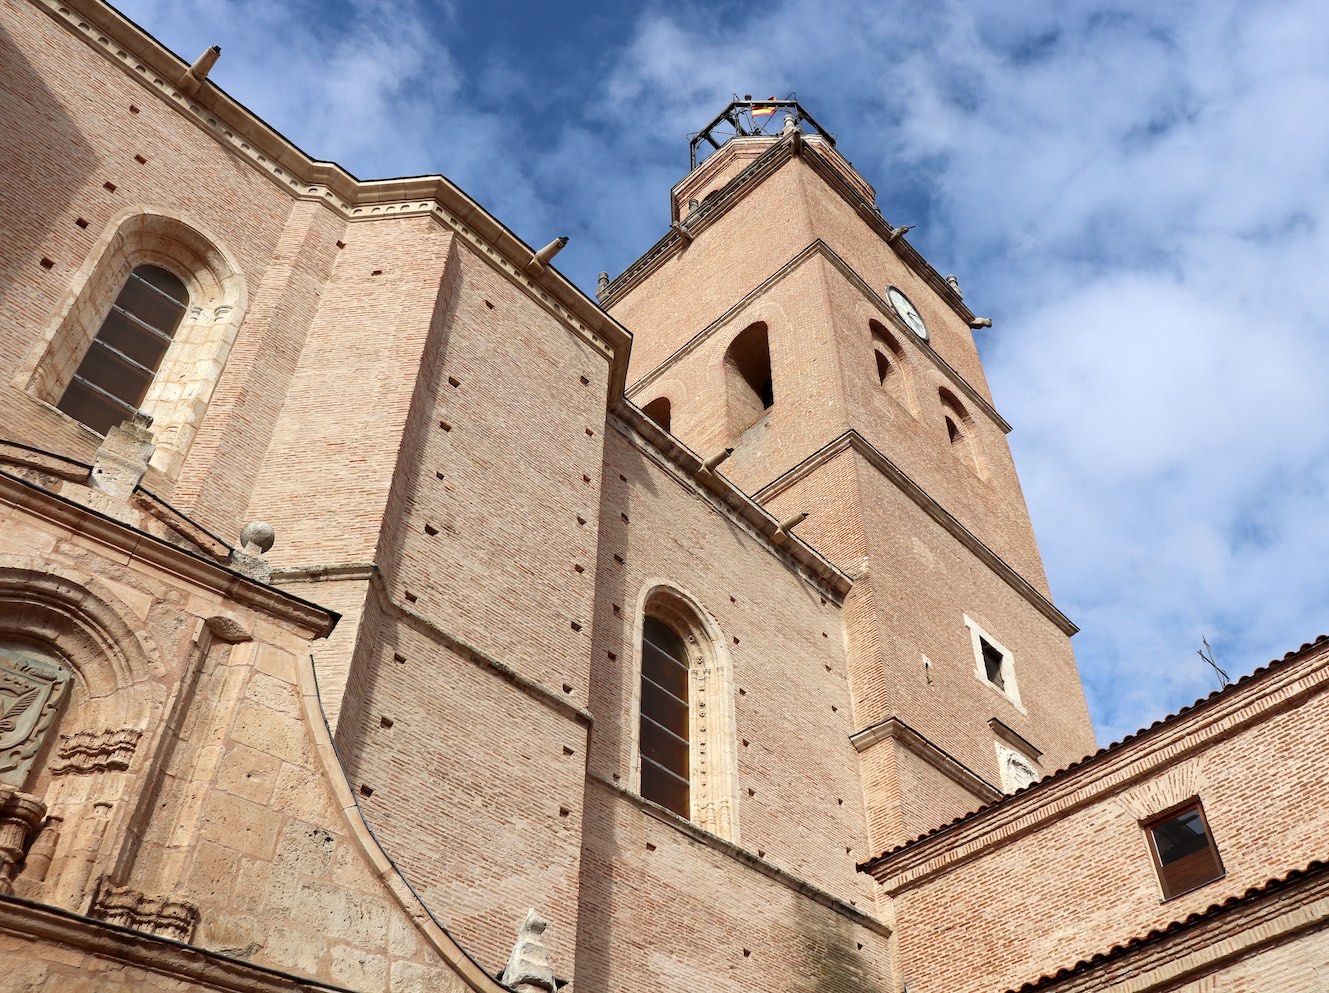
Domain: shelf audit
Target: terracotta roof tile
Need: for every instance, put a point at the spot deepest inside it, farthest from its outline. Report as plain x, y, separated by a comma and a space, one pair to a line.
1255, 893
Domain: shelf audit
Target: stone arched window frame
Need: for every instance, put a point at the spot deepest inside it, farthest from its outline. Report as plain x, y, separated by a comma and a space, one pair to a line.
179, 394
713, 740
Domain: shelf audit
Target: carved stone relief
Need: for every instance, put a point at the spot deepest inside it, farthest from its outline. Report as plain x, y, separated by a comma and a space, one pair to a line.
33, 688
95, 751
132, 908
1017, 769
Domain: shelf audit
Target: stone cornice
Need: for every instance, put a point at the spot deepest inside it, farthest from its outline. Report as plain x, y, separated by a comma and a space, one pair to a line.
686, 466
852, 440
894, 729
243, 134
824, 250
62, 929
1203, 943
743, 856
1259, 697
309, 618
729, 195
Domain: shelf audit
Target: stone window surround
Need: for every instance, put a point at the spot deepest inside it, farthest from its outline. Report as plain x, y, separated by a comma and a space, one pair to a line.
713, 738
178, 396
1011, 693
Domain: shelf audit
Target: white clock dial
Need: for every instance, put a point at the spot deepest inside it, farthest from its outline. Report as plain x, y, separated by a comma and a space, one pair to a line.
908, 312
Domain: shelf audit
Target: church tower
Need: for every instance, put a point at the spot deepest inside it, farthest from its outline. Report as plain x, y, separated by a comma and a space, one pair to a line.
783, 317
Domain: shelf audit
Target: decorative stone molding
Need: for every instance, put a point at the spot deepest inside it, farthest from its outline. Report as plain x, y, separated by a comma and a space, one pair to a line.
894, 729
529, 968
128, 907
20, 816
123, 457
256, 540
33, 688
95, 751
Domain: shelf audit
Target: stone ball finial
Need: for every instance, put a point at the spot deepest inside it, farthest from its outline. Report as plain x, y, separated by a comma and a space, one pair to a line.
257, 538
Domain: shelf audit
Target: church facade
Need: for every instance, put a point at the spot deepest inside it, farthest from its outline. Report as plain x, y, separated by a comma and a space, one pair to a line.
380, 612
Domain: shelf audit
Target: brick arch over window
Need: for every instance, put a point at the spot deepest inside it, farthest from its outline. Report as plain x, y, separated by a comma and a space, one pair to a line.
960, 429
712, 737
179, 393
660, 410
749, 388
894, 372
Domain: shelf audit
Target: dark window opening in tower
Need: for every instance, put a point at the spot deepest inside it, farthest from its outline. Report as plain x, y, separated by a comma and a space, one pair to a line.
658, 410
953, 432
993, 661
123, 359
883, 368
749, 389
663, 738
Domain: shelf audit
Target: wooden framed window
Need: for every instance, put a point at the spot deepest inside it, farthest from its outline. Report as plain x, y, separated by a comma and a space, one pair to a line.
1183, 848
665, 718
124, 357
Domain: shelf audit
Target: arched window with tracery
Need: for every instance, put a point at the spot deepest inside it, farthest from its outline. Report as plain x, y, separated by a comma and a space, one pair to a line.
749, 387
124, 356
686, 744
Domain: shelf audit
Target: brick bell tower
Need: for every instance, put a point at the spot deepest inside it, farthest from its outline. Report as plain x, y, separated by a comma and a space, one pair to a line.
783, 317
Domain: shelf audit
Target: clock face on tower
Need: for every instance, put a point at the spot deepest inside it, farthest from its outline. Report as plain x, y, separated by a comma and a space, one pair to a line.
908, 312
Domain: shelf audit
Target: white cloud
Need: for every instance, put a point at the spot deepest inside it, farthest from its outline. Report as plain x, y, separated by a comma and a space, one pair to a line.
1139, 194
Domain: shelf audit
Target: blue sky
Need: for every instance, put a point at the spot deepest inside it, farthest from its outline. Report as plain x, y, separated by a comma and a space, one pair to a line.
1138, 194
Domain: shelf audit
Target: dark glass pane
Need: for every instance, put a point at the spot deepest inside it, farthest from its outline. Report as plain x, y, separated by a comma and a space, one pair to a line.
667, 749
167, 282
150, 305
1181, 836
664, 657
103, 367
658, 785
665, 710
90, 407
137, 342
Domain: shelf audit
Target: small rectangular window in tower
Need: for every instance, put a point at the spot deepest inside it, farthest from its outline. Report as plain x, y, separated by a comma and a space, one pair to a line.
993, 663
1183, 849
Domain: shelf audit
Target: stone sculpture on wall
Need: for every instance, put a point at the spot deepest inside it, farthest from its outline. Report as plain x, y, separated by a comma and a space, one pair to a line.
33, 689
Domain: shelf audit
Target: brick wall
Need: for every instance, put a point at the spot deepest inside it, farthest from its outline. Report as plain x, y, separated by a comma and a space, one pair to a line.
1076, 883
